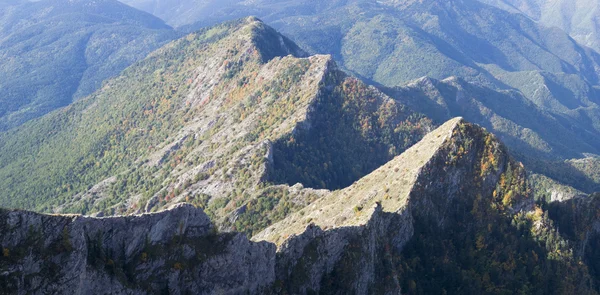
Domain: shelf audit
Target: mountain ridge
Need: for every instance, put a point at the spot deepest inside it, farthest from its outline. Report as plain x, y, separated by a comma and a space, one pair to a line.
368, 256
391, 43
343, 206
218, 128
298, 179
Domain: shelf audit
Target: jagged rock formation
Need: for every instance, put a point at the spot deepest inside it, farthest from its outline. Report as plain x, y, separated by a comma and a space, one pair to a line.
454, 183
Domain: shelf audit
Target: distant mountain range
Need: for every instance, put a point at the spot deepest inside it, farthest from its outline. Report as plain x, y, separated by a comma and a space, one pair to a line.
579, 18
576, 17
53, 52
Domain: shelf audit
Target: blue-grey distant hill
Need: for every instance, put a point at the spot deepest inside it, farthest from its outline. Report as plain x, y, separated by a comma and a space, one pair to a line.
55, 51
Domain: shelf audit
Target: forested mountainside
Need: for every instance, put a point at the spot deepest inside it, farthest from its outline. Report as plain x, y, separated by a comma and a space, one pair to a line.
576, 17
453, 214
220, 118
392, 43
53, 52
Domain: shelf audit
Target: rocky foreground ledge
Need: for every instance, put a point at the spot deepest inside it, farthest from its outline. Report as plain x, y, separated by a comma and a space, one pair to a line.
175, 251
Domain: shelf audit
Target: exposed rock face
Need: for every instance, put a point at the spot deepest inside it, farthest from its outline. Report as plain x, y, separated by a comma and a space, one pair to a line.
176, 250
346, 241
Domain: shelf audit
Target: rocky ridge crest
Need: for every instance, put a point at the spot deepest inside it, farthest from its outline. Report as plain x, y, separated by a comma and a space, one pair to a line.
347, 240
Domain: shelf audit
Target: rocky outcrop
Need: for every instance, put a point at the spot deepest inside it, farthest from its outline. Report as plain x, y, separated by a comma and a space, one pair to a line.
175, 251
345, 242
578, 219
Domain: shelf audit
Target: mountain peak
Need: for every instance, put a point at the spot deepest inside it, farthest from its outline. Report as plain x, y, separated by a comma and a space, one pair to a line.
264, 39
253, 19
270, 42
455, 150
394, 178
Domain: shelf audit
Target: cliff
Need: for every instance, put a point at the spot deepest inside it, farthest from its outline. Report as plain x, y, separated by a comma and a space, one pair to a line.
176, 251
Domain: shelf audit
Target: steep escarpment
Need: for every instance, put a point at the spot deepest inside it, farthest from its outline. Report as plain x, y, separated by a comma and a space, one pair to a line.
453, 207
